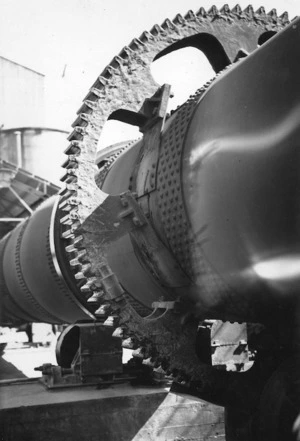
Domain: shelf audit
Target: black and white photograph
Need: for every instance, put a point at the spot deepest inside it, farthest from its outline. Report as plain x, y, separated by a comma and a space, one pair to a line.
149, 220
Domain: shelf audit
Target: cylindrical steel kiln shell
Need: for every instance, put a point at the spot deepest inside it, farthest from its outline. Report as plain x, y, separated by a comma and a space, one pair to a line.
10, 311
170, 213
30, 276
16, 277
240, 183
124, 257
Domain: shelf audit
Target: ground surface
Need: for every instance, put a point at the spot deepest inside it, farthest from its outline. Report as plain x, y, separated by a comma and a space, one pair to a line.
28, 412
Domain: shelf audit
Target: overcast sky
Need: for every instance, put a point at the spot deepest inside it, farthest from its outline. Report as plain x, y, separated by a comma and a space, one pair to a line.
84, 35
47, 34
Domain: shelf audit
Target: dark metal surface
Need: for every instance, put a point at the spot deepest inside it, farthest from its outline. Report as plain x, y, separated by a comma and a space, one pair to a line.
86, 353
240, 180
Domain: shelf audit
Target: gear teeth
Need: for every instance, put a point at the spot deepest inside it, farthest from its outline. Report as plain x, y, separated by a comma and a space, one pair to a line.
237, 9
178, 19
64, 193
86, 288
70, 176
201, 13
145, 37
96, 297
213, 11
139, 352
74, 148
103, 310
80, 276
118, 332
66, 220
73, 214
81, 253
89, 286
80, 130
75, 262
261, 11
116, 62
84, 117
72, 187
78, 239
167, 24
109, 71
128, 343
94, 94
69, 189
157, 30
148, 362
82, 120
69, 234
190, 15
71, 162
100, 82
68, 203
135, 44
284, 18
125, 53
88, 105
91, 105
273, 14
66, 207
83, 271
249, 11
225, 9
71, 248
84, 108
77, 134
111, 321
159, 370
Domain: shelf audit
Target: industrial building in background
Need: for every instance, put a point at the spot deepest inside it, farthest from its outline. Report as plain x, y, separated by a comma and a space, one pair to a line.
29, 172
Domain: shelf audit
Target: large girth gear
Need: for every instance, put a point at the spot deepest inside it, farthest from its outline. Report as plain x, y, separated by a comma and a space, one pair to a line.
166, 339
